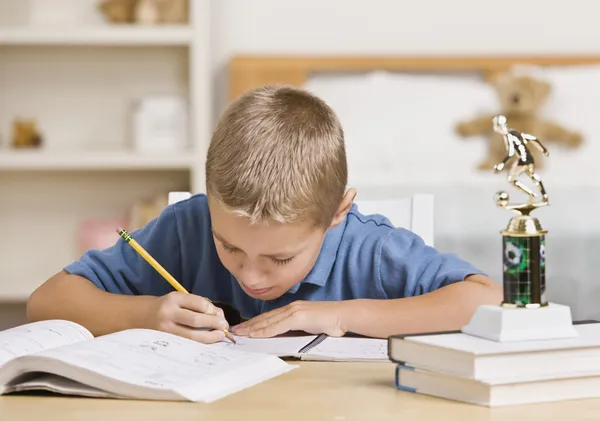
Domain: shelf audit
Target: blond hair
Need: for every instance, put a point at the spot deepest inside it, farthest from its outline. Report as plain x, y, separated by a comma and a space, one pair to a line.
278, 154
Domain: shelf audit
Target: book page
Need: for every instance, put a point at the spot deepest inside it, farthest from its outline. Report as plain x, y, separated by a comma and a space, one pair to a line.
351, 349
159, 360
284, 346
34, 337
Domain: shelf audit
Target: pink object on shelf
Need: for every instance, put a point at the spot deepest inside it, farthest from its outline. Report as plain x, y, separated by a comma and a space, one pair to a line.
99, 233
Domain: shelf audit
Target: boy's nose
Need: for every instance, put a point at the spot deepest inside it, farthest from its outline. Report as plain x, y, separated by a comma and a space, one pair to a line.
252, 277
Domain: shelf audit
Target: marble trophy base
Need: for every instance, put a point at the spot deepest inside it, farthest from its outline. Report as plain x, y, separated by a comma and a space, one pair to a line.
506, 324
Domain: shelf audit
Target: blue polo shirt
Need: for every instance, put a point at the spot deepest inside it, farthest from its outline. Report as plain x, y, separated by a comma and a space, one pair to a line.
363, 257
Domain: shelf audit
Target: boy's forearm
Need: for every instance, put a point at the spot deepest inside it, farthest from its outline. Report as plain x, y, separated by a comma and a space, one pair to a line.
448, 308
73, 298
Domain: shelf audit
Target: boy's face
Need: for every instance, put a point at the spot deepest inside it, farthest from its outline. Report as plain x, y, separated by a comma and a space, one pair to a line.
267, 260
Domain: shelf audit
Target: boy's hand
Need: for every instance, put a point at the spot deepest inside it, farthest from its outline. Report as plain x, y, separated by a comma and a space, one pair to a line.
186, 315
309, 316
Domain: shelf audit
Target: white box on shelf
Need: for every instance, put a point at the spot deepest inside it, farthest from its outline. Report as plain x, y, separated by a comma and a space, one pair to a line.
160, 124
63, 12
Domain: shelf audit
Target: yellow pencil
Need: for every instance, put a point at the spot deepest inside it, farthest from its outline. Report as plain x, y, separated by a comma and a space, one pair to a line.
157, 266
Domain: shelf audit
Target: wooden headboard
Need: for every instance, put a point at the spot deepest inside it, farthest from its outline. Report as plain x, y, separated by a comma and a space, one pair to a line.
248, 72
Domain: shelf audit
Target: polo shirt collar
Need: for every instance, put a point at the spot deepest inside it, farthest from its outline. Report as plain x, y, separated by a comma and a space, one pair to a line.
321, 270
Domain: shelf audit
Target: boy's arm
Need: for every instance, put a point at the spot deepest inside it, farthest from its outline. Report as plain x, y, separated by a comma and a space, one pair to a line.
448, 308
428, 291
116, 289
72, 297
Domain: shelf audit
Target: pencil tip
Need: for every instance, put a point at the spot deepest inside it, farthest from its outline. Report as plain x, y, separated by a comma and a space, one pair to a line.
229, 336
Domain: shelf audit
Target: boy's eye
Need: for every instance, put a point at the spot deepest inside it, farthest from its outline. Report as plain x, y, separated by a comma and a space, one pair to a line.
230, 249
227, 248
282, 261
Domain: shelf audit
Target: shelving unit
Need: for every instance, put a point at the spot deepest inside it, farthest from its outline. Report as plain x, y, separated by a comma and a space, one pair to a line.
111, 35
80, 83
69, 161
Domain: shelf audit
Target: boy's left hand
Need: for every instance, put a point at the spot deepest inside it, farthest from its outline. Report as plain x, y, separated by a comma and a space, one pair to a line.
312, 317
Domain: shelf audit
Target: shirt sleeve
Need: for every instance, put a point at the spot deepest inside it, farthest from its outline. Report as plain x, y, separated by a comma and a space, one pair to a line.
408, 267
121, 270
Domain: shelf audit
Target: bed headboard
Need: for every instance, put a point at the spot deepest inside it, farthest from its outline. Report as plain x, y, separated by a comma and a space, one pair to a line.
248, 72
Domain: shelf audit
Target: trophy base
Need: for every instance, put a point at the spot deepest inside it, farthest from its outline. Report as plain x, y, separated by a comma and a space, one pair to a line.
502, 324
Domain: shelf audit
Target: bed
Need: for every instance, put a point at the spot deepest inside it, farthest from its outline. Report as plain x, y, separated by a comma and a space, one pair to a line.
399, 115
248, 72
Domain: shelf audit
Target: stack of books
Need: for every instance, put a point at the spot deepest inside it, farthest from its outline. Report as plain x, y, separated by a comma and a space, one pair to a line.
461, 367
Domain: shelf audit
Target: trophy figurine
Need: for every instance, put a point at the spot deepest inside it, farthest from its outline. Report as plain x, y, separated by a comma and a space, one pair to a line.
524, 313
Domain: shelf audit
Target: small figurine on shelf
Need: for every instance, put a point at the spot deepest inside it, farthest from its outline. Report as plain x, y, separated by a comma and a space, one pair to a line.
25, 134
145, 12
118, 11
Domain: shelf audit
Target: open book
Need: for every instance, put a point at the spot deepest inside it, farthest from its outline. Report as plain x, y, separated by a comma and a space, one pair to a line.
315, 347
63, 357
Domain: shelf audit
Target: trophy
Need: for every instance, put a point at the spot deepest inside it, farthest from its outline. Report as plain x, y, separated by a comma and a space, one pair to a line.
525, 313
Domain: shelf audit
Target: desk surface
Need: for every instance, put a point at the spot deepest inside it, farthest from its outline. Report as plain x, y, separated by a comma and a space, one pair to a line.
315, 391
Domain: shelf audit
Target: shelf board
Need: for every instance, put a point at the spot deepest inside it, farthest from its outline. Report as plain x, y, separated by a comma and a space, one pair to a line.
127, 35
13, 297
89, 161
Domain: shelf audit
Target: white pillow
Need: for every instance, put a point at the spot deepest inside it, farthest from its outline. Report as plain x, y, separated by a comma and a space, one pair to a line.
401, 126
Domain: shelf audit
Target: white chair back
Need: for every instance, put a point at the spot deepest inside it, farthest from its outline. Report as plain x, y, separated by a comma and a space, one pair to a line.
414, 213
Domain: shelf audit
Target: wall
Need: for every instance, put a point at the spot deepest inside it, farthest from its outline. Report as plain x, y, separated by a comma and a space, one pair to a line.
399, 27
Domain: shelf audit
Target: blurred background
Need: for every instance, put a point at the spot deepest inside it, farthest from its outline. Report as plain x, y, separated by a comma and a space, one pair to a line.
106, 106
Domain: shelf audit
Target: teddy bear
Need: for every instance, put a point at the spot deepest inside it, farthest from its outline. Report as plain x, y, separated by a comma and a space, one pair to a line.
25, 134
146, 12
521, 96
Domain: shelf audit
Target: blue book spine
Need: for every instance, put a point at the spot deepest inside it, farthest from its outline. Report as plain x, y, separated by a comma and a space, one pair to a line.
397, 378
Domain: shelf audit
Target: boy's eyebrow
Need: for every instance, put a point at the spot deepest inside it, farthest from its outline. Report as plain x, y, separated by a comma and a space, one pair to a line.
276, 255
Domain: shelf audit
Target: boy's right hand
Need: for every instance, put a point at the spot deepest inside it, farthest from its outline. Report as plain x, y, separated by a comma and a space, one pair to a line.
189, 316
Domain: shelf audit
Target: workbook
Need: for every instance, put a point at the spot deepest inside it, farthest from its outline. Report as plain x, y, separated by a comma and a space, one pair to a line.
458, 366
315, 347
462, 355
64, 357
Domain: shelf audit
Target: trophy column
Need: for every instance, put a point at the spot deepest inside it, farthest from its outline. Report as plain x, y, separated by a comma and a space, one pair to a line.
524, 263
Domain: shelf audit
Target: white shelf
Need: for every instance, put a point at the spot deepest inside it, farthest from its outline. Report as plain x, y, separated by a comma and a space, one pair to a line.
81, 83
90, 161
14, 297
110, 35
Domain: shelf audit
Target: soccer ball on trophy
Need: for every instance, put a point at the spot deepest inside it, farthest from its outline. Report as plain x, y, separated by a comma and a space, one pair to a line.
501, 198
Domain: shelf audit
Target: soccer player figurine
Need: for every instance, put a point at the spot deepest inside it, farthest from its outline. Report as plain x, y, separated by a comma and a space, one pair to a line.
518, 143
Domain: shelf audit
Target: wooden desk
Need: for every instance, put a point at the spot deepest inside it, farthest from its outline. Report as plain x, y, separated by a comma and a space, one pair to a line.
315, 391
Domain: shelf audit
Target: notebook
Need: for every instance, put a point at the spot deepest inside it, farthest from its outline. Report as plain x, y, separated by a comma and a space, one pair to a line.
315, 347
64, 357
463, 355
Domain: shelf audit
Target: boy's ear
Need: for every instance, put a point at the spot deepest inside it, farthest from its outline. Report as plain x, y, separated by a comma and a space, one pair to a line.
344, 207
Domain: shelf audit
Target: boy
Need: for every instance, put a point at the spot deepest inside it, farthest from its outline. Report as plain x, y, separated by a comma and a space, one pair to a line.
277, 237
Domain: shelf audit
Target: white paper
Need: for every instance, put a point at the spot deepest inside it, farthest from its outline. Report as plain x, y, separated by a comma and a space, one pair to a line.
281, 346
37, 336
351, 349
154, 359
